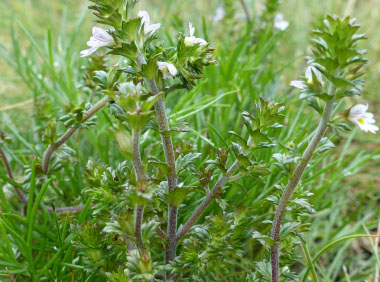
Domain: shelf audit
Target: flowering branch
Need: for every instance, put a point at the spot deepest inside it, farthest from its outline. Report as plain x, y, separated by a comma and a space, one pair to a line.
292, 184
10, 174
140, 179
170, 160
50, 150
221, 182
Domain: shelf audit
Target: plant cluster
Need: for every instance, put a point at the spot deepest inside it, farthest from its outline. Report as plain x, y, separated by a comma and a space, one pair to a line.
161, 209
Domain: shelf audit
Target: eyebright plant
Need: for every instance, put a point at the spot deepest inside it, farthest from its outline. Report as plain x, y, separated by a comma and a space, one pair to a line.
333, 73
152, 217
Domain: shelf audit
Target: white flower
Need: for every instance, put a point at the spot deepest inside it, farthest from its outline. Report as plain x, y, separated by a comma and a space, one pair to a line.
99, 38
145, 20
168, 69
280, 23
309, 76
358, 114
219, 14
191, 40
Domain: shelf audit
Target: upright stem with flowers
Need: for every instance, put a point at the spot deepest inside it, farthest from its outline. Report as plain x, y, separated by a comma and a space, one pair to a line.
333, 73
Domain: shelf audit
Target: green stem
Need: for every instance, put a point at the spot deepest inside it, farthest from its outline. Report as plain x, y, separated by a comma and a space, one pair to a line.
292, 184
140, 180
310, 262
53, 147
198, 212
10, 174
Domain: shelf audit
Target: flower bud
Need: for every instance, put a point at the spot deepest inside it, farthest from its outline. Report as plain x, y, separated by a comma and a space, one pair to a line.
314, 77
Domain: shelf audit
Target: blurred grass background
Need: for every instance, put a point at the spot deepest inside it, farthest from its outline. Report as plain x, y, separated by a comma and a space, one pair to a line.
354, 199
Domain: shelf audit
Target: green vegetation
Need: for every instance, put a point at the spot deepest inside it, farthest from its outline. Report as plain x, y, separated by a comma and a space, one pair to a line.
46, 88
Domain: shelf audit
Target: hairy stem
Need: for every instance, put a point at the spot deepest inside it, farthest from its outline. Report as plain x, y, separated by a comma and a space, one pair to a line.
292, 184
50, 150
140, 179
139, 213
172, 231
163, 124
221, 182
10, 174
172, 178
137, 164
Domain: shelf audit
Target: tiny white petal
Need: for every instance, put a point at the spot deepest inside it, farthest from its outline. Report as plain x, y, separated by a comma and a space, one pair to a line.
145, 21
199, 41
168, 70
280, 23
219, 14
372, 128
358, 110
101, 34
99, 38
298, 84
152, 28
191, 30
309, 75
191, 40
88, 52
161, 65
172, 69
368, 115
97, 44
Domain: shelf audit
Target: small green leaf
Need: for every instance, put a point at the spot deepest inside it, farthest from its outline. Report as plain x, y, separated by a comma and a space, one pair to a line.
264, 239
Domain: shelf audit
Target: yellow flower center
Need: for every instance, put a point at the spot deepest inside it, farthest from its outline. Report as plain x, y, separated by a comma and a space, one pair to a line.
361, 121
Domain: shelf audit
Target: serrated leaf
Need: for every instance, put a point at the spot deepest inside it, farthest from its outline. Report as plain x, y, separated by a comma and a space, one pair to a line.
325, 145
182, 162
287, 228
178, 195
263, 238
304, 204
164, 167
